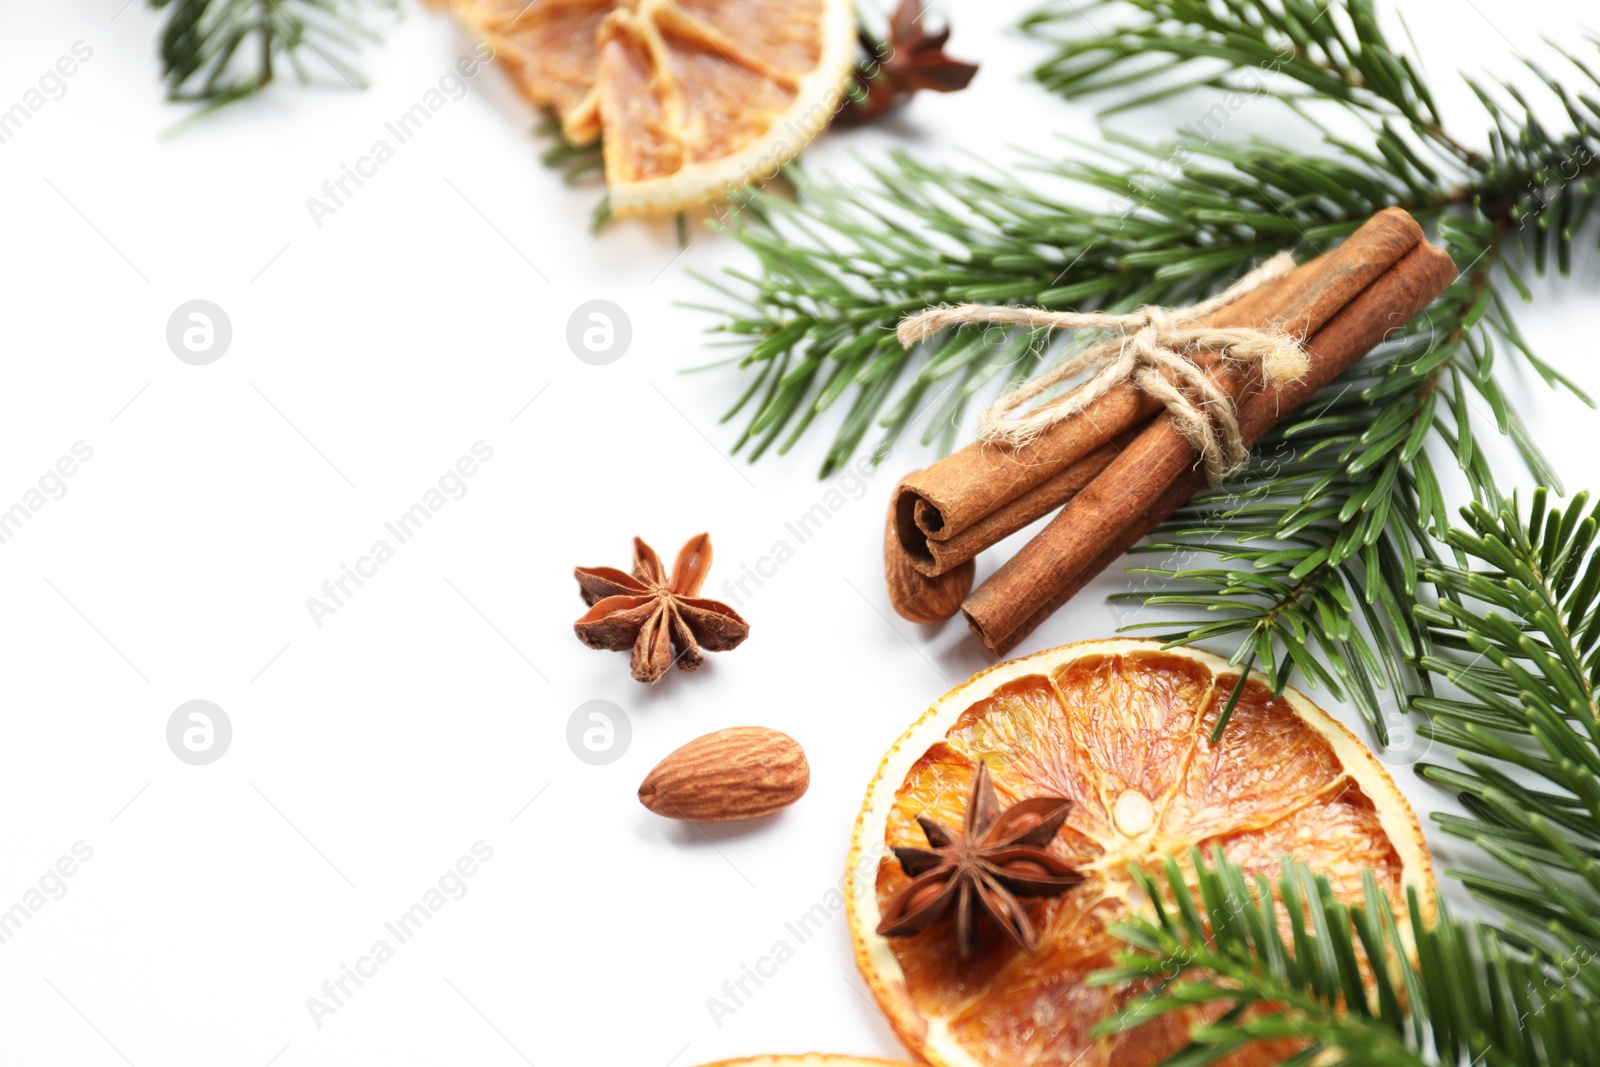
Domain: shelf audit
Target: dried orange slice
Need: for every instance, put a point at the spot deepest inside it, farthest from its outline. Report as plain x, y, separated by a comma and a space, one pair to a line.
551, 49
691, 97
812, 1059
1122, 729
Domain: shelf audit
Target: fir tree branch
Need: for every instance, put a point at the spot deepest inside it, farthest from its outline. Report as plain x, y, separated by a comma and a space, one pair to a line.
214, 52
1288, 965
1332, 52
1516, 631
1338, 53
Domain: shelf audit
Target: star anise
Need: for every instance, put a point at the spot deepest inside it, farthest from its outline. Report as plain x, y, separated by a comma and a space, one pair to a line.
910, 60
996, 858
656, 615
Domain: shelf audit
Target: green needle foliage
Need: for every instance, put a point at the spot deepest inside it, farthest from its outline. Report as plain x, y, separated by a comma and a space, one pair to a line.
1288, 963
214, 52
1332, 554
1308, 560
577, 165
1516, 632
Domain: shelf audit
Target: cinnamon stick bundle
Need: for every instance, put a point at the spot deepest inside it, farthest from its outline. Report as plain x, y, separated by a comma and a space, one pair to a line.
1344, 302
976, 497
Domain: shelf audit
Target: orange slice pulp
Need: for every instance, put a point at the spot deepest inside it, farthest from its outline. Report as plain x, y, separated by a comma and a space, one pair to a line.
1122, 729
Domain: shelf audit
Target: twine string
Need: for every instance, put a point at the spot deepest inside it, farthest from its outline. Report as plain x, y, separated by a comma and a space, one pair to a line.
1152, 348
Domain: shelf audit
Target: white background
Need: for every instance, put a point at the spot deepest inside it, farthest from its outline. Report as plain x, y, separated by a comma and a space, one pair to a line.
372, 752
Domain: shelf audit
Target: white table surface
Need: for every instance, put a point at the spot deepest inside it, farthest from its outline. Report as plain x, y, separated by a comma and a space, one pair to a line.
422, 717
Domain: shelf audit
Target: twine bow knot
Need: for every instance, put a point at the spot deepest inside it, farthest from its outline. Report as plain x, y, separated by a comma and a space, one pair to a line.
1151, 348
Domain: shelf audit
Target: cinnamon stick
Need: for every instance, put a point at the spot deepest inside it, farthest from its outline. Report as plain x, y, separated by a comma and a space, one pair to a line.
934, 556
985, 492
915, 596
971, 483
1396, 296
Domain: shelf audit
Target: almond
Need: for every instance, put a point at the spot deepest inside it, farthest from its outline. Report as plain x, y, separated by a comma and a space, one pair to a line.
739, 773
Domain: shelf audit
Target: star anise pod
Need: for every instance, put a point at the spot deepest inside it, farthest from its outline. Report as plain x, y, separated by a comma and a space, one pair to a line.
911, 59
995, 858
655, 614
